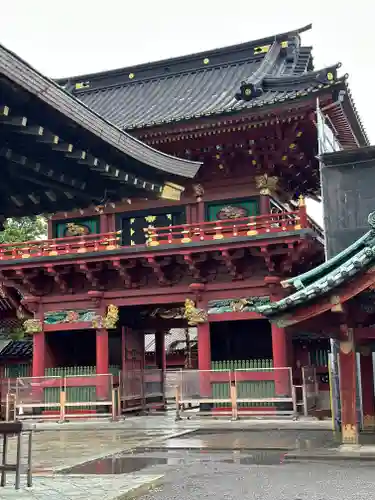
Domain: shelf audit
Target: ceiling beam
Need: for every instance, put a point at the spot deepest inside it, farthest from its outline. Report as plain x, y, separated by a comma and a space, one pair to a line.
82, 157
37, 167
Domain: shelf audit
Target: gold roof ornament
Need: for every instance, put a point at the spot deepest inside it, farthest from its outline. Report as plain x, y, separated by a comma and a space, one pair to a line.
266, 184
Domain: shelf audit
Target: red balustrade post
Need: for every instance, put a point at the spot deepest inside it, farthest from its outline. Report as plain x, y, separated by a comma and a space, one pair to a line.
302, 213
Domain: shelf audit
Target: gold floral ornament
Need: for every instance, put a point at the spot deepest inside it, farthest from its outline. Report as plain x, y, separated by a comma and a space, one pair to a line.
76, 229
266, 184
33, 326
193, 315
111, 318
108, 321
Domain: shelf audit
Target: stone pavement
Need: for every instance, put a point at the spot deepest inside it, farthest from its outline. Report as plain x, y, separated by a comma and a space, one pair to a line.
55, 450
82, 488
57, 447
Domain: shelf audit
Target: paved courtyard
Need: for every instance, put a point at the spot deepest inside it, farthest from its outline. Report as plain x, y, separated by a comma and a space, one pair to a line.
156, 452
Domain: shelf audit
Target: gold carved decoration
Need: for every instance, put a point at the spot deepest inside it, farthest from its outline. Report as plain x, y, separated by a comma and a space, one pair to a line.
194, 315
172, 191
349, 434
108, 321
150, 218
238, 305
336, 304
266, 184
76, 229
347, 346
33, 326
369, 422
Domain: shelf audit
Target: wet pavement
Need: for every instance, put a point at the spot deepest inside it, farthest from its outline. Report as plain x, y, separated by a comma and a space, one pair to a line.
53, 450
253, 440
219, 480
186, 461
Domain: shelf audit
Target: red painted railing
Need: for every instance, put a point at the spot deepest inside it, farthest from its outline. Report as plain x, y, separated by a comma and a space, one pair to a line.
182, 234
60, 246
218, 230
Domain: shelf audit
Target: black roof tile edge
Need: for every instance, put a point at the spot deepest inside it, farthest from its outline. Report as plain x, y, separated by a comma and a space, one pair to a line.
334, 277
252, 106
24, 75
350, 104
197, 55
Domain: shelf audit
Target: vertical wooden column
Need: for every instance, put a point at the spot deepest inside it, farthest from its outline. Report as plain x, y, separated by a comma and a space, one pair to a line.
39, 354
204, 347
199, 193
160, 354
103, 221
160, 358
280, 344
102, 363
264, 204
348, 386
280, 361
266, 185
367, 383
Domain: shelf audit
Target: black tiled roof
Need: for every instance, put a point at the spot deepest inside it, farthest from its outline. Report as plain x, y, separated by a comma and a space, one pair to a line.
17, 349
203, 84
14, 69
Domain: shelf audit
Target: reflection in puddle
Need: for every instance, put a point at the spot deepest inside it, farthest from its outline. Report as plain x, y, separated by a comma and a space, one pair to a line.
120, 464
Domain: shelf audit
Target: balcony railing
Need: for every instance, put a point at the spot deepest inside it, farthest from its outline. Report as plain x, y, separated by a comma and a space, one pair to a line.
178, 235
218, 230
60, 246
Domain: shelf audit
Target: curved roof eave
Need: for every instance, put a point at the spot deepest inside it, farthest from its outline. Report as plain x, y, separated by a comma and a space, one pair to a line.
31, 80
335, 276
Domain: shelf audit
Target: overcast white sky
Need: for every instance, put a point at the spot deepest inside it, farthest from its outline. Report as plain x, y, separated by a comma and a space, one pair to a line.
72, 37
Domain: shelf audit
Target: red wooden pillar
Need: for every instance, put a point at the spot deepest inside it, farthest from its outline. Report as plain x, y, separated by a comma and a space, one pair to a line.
348, 385
38, 366
264, 204
280, 361
204, 347
280, 345
39, 354
102, 363
367, 383
204, 363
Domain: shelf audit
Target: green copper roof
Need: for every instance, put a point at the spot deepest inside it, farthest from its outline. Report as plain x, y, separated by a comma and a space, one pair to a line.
324, 278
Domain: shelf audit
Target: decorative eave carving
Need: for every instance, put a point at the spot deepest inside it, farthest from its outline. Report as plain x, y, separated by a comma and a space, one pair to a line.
193, 315
109, 320
198, 191
266, 184
33, 326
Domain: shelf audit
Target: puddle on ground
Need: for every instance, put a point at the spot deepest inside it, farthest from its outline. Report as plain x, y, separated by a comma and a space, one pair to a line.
252, 440
125, 464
